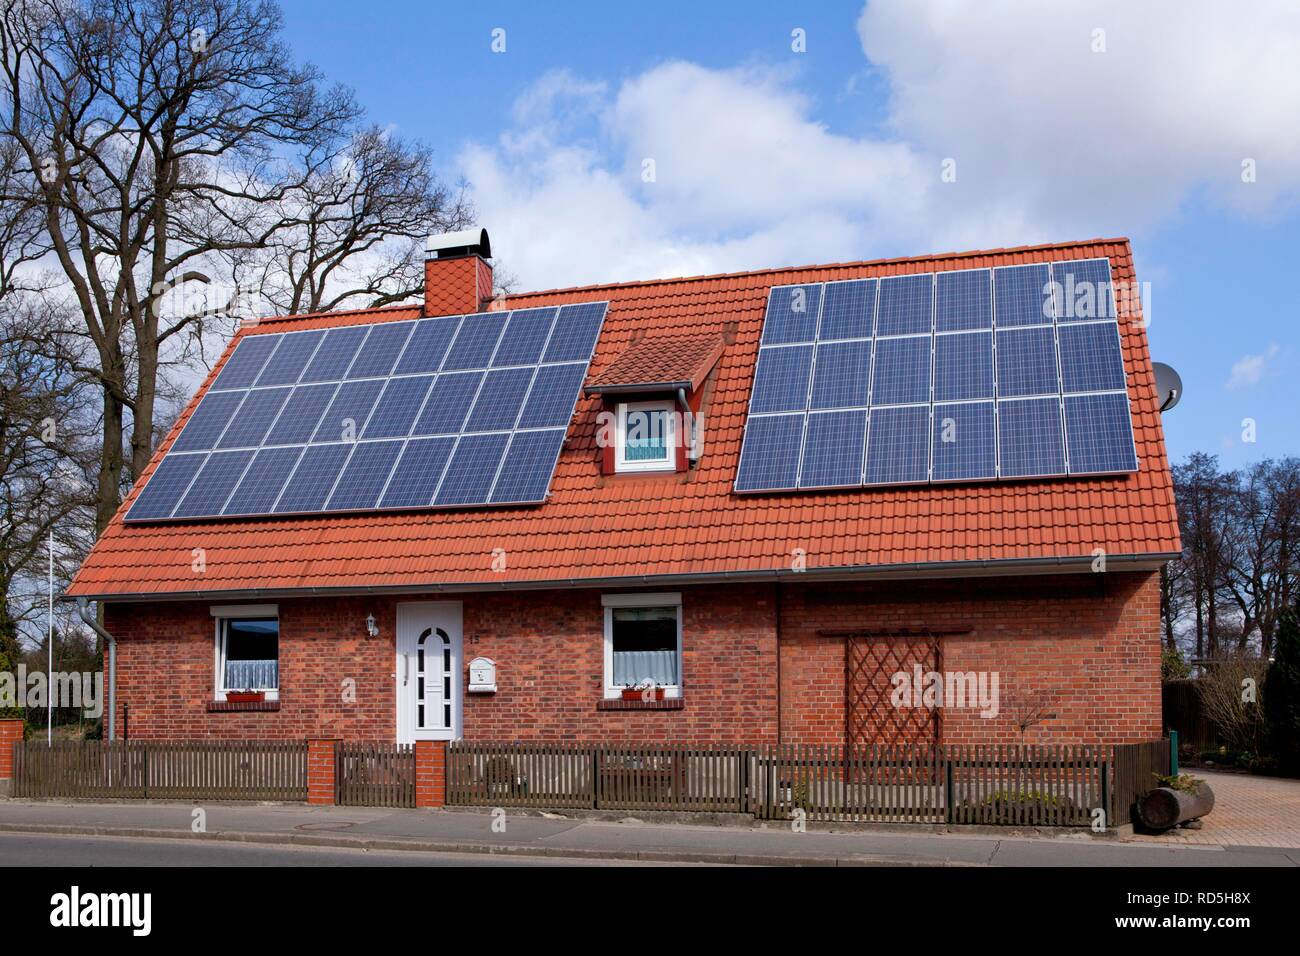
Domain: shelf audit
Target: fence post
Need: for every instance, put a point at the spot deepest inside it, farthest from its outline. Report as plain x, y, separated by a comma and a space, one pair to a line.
11, 733
1173, 753
430, 773
321, 766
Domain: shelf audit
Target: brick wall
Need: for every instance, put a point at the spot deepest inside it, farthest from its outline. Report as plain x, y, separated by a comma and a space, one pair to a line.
1087, 646
1091, 641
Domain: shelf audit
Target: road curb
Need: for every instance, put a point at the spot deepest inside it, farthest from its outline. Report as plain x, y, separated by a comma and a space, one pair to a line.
451, 846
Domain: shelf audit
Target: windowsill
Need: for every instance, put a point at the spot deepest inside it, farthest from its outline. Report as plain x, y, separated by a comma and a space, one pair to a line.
615, 703
229, 707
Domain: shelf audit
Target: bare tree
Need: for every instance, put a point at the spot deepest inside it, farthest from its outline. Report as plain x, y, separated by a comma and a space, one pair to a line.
1262, 564
153, 134
352, 233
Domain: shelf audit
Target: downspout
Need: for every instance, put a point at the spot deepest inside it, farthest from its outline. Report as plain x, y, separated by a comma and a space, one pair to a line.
688, 418
110, 642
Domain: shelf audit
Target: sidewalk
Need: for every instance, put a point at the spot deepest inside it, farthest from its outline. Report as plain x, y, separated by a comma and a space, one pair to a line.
465, 832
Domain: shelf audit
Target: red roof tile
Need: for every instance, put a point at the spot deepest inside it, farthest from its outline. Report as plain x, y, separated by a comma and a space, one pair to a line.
597, 528
661, 360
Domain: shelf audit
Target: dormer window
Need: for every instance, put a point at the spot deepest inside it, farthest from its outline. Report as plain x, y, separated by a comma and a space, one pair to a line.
646, 437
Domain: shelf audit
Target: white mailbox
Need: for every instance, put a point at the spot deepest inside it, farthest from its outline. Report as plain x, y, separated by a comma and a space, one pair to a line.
482, 676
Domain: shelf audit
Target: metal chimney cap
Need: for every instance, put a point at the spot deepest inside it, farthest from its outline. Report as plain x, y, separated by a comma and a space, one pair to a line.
473, 241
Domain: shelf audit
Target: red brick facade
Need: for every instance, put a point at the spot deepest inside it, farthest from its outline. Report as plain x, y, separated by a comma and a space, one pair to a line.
456, 286
1089, 643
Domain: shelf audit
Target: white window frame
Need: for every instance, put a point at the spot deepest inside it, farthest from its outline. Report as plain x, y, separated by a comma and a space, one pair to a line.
222, 613
669, 463
609, 602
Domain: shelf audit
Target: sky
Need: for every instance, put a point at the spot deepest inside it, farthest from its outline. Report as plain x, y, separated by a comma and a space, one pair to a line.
606, 142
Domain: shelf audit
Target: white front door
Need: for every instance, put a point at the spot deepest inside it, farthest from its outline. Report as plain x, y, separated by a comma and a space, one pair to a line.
428, 671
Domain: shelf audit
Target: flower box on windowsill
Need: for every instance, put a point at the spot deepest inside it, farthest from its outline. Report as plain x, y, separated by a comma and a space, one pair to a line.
245, 696
632, 693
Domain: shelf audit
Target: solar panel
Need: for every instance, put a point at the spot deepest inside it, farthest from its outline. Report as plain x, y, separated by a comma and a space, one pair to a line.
991, 391
1100, 433
445, 412
1084, 290
832, 456
906, 304
1029, 438
965, 442
1091, 360
781, 379
963, 300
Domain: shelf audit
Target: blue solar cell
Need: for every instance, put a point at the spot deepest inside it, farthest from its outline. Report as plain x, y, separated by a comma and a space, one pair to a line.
364, 476
1099, 434
397, 407
1091, 360
297, 423
528, 466
209, 491
379, 353
576, 330
167, 483
263, 480
312, 480
898, 445
289, 360
418, 471
901, 375
1023, 295
472, 469
1084, 290
254, 418
792, 314
346, 417
243, 367
842, 375
1027, 362
554, 394
769, 458
1029, 438
963, 366
428, 345
526, 333
832, 451
849, 311
964, 300
448, 403
499, 400
335, 354
906, 304
781, 379
476, 341
208, 421
965, 442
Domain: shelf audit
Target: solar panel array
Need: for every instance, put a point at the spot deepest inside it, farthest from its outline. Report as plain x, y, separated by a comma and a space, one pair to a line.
452, 411
970, 375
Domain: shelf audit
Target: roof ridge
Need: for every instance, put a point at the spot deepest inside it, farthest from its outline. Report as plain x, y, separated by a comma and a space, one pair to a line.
852, 264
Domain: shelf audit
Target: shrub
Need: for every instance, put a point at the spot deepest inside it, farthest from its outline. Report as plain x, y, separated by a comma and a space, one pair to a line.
1282, 695
1238, 717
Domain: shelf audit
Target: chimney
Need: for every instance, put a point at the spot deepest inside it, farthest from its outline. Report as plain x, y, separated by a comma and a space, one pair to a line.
457, 275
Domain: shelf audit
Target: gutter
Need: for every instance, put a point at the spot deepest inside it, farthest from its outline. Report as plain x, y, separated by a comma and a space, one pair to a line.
1072, 564
83, 609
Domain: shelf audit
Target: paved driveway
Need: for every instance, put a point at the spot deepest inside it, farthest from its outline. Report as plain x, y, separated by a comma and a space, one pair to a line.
1248, 811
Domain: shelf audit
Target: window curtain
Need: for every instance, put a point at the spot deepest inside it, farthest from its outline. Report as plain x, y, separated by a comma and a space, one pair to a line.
632, 667
254, 675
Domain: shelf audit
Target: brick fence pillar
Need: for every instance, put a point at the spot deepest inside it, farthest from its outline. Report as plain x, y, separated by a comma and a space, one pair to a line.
430, 773
11, 731
320, 770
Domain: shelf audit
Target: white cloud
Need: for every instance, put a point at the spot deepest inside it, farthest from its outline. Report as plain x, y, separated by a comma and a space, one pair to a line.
1051, 141
1249, 369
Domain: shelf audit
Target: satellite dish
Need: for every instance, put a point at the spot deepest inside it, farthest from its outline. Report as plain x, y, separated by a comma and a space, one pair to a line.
1169, 386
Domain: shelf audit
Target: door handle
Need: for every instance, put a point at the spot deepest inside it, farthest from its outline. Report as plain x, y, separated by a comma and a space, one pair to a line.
406, 670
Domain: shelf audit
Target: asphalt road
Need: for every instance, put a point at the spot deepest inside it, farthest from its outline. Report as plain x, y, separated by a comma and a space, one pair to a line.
38, 849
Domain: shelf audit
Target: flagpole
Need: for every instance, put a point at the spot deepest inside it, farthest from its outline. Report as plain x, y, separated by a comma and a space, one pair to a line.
49, 670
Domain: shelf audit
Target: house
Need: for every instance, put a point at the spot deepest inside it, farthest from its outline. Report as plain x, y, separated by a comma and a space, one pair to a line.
798, 592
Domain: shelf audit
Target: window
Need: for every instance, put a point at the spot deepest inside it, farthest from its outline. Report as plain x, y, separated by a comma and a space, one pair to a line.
248, 650
647, 437
643, 642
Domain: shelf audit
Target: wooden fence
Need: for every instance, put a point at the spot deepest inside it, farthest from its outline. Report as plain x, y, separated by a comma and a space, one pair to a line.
156, 769
1137, 767
1183, 712
374, 775
986, 784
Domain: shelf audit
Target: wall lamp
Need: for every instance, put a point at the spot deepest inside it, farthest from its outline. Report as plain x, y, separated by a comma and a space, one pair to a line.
372, 628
